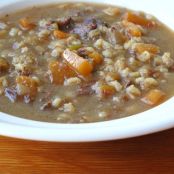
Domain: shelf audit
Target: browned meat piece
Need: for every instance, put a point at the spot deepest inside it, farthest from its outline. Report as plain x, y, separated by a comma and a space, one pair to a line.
25, 72
91, 23
4, 65
82, 52
81, 30
66, 24
84, 28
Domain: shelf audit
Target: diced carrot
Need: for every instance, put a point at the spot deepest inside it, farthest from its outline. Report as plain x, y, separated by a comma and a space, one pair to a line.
79, 64
4, 65
137, 19
59, 71
60, 34
26, 24
28, 82
97, 58
107, 90
153, 97
132, 29
3, 33
141, 47
114, 75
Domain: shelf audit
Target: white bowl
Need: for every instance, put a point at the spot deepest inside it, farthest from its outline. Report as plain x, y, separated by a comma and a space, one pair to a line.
153, 120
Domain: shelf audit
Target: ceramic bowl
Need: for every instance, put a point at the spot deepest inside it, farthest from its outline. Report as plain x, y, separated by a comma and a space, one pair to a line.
153, 120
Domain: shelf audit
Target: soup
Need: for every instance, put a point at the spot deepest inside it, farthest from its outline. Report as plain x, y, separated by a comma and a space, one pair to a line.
80, 63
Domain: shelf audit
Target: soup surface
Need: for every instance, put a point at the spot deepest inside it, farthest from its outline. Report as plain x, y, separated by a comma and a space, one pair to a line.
77, 63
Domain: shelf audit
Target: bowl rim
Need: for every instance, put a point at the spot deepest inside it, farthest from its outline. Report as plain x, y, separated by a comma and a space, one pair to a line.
153, 120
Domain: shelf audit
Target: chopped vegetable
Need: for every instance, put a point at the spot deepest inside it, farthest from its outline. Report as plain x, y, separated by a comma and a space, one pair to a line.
113, 75
134, 32
4, 65
107, 90
26, 24
137, 19
97, 58
153, 97
59, 72
79, 64
75, 47
2, 33
132, 29
29, 83
151, 48
60, 34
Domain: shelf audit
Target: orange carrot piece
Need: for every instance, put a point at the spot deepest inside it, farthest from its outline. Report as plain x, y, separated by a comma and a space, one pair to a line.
132, 29
153, 97
3, 33
141, 47
137, 19
107, 90
4, 65
114, 75
26, 24
79, 64
97, 58
28, 82
60, 34
59, 71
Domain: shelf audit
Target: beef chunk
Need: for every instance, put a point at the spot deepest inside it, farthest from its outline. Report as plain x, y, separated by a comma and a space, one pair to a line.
91, 23
82, 52
84, 28
81, 30
66, 24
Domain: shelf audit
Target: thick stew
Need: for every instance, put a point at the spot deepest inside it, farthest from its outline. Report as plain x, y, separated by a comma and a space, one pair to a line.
79, 63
